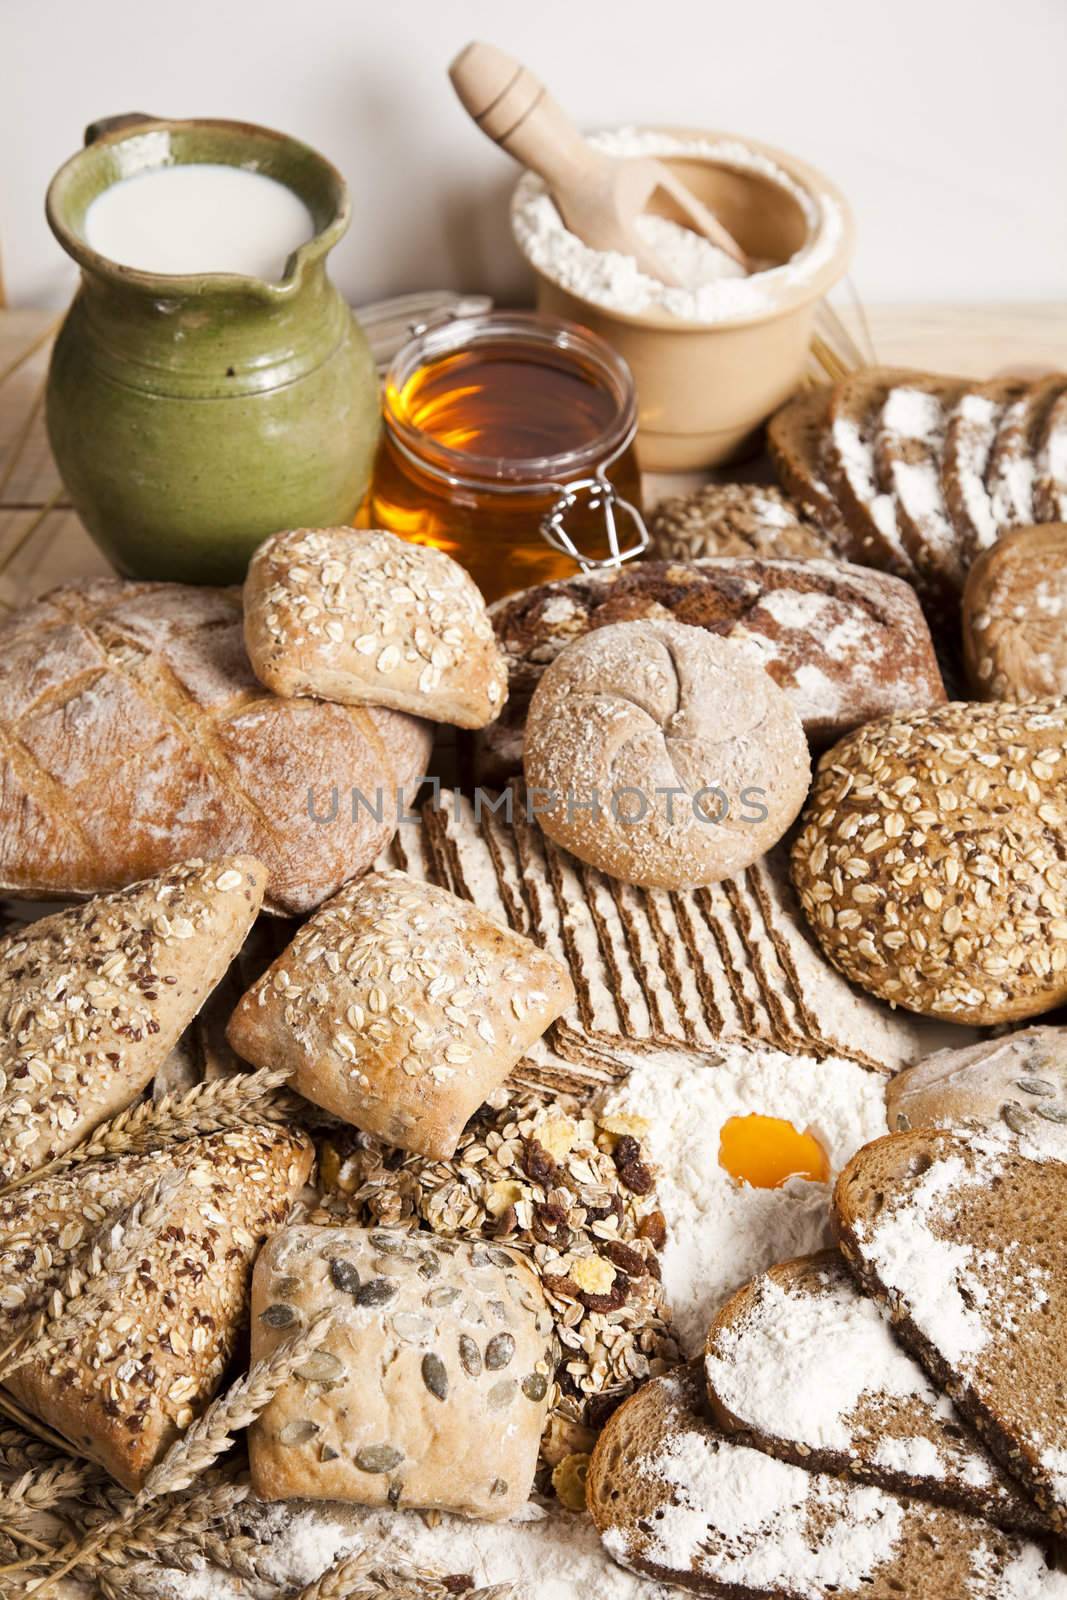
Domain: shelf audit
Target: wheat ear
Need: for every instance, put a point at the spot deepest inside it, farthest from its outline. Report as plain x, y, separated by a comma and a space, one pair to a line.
208, 1438
370, 1574
89, 1286
205, 1108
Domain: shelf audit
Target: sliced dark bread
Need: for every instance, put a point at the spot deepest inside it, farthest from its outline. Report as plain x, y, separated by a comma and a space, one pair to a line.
964, 1241
970, 434
1011, 474
1050, 465
675, 1499
865, 499
807, 1368
908, 447
795, 437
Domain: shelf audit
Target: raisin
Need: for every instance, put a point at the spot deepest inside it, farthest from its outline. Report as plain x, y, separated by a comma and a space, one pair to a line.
621, 1255
636, 1176
654, 1227
537, 1164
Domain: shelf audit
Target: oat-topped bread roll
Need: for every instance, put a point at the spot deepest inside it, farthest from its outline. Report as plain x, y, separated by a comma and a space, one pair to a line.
663, 755
133, 734
92, 999
735, 519
399, 1007
962, 1240
846, 643
932, 860
431, 1388
1015, 616
1015, 1086
678, 1501
369, 619
125, 1388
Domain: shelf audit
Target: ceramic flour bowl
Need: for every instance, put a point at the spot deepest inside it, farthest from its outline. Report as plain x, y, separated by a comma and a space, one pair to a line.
191, 415
705, 388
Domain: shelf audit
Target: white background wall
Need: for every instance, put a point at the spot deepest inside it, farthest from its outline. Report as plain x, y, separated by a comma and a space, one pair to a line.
944, 121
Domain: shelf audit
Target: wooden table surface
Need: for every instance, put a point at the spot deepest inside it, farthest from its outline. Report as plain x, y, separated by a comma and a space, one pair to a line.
42, 542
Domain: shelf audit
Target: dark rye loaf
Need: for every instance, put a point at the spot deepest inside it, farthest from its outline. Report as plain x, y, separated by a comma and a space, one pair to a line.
806, 1368
676, 1500
847, 644
964, 1241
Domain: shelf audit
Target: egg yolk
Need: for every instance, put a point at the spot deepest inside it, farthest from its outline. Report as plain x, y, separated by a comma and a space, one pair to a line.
766, 1151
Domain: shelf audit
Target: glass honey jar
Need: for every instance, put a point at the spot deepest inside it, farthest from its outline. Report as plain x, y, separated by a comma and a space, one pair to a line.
508, 442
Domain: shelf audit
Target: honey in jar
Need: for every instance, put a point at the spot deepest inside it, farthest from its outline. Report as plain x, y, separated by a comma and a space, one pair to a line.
508, 443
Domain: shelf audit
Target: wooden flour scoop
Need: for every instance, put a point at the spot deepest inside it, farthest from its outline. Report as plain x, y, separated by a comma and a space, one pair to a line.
600, 197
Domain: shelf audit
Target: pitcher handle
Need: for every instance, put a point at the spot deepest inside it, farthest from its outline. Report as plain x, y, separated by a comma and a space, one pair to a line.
105, 125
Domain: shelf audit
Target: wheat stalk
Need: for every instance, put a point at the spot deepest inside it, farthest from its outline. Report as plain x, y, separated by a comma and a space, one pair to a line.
206, 1108
210, 1436
371, 1574
21, 1452
88, 1288
49, 1486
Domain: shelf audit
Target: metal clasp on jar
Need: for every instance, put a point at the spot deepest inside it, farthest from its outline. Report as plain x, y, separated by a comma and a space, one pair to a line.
597, 490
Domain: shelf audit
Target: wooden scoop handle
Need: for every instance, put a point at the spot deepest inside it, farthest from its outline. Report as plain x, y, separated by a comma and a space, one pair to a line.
514, 109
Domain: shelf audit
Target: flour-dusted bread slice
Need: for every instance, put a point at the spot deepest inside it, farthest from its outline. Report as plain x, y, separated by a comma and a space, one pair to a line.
676, 1500
1011, 475
1015, 616
123, 1390
796, 436
970, 434
962, 1240
431, 1388
398, 1007
931, 862
735, 519
908, 448
370, 619
807, 1368
852, 470
1050, 464
93, 999
134, 734
1015, 1085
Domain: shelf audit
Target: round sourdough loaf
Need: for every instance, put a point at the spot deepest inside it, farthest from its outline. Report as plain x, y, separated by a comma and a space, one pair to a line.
1015, 616
1015, 1085
932, 860
663, 755
369, 619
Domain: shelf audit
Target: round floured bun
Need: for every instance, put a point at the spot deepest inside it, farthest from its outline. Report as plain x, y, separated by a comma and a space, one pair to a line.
663, 755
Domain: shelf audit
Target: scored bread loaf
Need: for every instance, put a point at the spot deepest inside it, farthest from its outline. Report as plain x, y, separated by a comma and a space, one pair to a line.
1015, 616
663, 755
678, 1501
432, 1384
807, 1368
399, 1007
962, 1240
931, 862
133, 734
122, 1390
370, 619
1013, 1085
93, 998
845, 643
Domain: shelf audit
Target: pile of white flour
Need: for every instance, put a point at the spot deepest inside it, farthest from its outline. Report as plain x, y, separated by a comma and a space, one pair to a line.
713, 288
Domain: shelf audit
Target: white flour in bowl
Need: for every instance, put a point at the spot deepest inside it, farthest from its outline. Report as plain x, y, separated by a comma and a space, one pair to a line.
713, 288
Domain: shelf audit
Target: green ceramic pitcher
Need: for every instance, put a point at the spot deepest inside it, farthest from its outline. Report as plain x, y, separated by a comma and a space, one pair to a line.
191, 416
